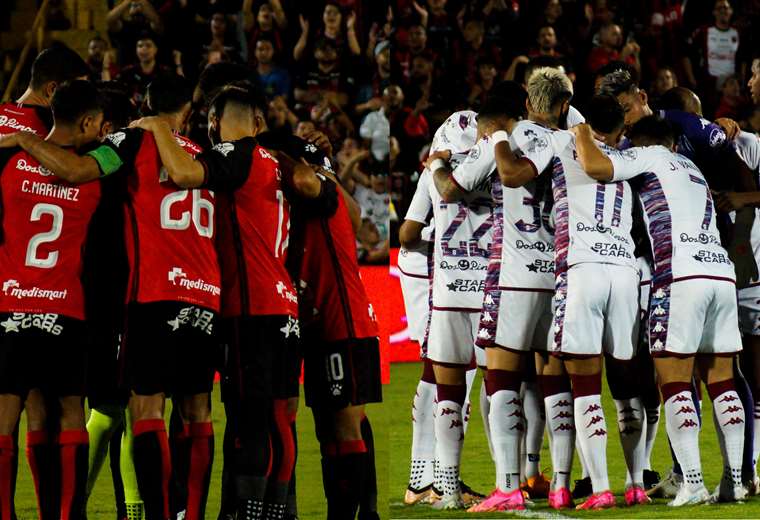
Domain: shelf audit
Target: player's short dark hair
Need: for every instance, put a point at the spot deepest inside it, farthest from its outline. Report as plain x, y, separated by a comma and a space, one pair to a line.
674, 99
507, 98
651, 130
168, 93
242, 96
217, 75
58, 64
604, 113
117, 107
75, 99
618, 82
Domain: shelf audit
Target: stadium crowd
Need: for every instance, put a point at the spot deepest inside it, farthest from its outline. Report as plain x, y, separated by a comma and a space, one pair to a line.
577, 186
242, 149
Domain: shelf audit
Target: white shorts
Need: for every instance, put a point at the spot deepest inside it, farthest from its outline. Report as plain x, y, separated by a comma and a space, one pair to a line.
596, 309
416, 292
515, 320
451, 338
749, 310
697, 315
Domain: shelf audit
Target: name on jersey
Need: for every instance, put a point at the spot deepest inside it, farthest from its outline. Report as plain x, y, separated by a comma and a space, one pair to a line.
178, 277
13, 288
12, 122
688, 165
535, 246
711, 257
702, 238
466, 286
19, 321
541, 266
600, 228
463, 265
55, 191
606, 249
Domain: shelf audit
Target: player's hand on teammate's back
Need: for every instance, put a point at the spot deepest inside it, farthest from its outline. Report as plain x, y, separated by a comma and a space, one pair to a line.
728, 200
149, 123
9, 140
729, 126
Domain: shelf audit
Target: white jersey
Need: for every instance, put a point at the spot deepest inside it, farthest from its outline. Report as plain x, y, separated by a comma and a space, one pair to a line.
457, 134
414, 262
574, 117
678, 213
592, 220
748, 148
463, 236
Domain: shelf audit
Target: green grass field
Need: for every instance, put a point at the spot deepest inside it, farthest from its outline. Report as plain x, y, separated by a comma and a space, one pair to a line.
478, 472
311, 501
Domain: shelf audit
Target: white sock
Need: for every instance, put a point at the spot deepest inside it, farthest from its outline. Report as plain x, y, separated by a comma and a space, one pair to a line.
469, 380
423, 436
682, 424
485, 409
584, 466
756, 441
534, 433
729, 418
632, 426
591, 430
653, 423
507, 425
561, 427
449, 433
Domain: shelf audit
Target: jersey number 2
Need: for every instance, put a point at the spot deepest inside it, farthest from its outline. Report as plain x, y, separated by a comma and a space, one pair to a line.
50, 260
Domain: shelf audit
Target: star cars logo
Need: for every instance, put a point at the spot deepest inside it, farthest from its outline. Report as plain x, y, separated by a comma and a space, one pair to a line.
466, 286
19, 321
711, 257
615, 250
541, 266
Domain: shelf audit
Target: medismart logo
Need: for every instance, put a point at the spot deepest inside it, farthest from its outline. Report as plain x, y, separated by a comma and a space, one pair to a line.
13, 288
178, 277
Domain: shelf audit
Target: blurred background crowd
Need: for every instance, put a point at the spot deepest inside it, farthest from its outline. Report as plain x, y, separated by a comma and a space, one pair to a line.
448, 54
323, 64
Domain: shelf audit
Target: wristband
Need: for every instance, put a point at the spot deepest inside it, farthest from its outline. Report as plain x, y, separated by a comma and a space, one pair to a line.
437, 164
499, 136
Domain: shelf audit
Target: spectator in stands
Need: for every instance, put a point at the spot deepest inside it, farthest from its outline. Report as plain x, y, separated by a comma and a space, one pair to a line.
274, 80
481, 88
373, 199
733, 104
137, 77
611, 48
546, 42
269, 22
281, 118
472, 48
222, 38
441, 26
325, 78
370, 247
376, 129
127, 21
370, 94
102, 67
664, 80
332, 30
416, 45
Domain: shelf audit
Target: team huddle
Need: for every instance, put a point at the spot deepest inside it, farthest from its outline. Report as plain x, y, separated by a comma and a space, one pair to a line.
539, 244
135, 265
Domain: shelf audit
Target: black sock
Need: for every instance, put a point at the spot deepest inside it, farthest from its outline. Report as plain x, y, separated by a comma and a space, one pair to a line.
114, 455
179, 447
348, 472
250, 492
44, 462
150, 449
368, 500
291, 510
229, 497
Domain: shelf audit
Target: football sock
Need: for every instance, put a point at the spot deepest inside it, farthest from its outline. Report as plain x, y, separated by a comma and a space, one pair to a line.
253, 461
591, 427
350, 462
507, 426
729, 424
41, 454
631, 425
100, 427
283, 461
199, 471
132, 500
423, 431
449, 433
14, 469
74, 453
756, 436
470, 380
533, 410
368, 500
152, 466
292, 506
682, 424
179, 447
558, 403
229, 497
114, 456
485, 411
7, 450
653, 423
744, 392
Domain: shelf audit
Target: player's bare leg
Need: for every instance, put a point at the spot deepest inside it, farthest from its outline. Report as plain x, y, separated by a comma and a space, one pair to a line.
451, 389
10, 410
507, 425
151, 453
674, 376
558, 406
195, 411
729, 417
586, 379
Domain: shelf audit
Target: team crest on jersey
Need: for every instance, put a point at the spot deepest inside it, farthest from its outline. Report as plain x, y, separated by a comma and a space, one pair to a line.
537, 144
474, 154
310, 148
224, 148
628, 155
717, 137
117, 138
19, 321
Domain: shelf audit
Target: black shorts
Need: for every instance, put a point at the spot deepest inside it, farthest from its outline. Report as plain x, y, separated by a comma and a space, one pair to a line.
170, 348
103, 368
262, 357
45, 351
342, 373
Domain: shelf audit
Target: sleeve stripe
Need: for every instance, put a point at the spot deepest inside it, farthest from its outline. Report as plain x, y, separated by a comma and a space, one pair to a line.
108, 160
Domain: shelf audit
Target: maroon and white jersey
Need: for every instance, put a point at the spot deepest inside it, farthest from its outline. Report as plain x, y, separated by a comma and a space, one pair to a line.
254, 226
17, 117
44, 227
169, 231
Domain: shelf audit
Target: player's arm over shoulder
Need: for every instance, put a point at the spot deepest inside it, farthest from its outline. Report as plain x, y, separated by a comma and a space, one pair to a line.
318, 193
591, 158
516, 171
63, 163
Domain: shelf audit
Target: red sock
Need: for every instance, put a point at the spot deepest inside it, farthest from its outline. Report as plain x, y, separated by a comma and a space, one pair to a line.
152, 466
7, 451
285, 434
199, 474
75, 447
